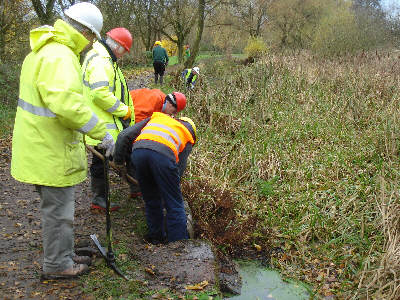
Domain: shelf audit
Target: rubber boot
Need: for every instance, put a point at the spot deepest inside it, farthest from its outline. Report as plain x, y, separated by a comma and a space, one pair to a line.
161, 79
155, 78
99, 199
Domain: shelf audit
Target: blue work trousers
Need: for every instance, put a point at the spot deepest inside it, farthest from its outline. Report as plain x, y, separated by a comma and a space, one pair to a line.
159, 181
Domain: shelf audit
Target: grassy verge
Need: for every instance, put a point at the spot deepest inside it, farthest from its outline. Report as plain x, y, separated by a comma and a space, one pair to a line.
305, 153
7, 115
9, 79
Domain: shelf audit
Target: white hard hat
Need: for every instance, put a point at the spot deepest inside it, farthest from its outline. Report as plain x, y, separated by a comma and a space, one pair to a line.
88, 15
197, 70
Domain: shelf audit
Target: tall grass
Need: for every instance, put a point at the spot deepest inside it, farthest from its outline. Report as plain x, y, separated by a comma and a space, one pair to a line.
9, 83
309, 148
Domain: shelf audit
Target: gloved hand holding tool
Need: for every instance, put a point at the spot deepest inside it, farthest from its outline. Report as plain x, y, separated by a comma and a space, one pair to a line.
107, 144
114, 166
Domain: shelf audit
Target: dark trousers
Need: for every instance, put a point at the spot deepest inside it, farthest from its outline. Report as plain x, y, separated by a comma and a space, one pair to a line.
97, 174
159, 67
159, 181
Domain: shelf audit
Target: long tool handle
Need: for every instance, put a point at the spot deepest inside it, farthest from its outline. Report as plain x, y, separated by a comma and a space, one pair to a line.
110, 254
108, 203
99, 155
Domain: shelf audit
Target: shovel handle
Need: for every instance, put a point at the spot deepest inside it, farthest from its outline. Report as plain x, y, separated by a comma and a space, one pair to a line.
99, 155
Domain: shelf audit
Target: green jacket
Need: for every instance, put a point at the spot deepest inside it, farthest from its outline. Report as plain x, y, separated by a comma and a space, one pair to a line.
47, 145
160, 54
105, 90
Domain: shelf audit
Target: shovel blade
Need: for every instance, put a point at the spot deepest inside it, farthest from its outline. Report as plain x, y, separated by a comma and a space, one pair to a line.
98, 245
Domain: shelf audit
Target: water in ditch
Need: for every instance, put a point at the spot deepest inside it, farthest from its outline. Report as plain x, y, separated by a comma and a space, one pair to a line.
261, 283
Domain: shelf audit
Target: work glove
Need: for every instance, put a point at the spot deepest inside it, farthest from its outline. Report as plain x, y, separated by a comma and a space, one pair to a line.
128, 114
107, 144
121, 170
127, 119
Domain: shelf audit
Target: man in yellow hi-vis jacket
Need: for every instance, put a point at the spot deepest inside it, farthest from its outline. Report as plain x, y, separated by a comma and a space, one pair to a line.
51, 118
107, 94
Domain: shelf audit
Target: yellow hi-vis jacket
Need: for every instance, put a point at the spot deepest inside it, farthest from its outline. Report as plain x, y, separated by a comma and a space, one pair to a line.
167, 131
105, 90
47, 145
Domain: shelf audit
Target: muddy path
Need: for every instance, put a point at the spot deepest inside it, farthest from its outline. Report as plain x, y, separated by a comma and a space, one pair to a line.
157, 267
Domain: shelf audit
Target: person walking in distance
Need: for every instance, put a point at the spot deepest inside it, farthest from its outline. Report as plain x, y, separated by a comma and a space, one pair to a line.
160, 61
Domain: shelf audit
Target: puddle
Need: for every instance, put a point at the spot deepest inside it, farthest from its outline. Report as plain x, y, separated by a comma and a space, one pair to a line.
261, 283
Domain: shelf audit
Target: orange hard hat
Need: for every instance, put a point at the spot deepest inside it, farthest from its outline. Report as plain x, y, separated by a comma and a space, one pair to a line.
122, 36
178, 100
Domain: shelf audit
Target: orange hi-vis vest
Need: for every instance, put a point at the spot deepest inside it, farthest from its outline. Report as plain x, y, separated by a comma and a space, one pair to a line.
146, 101
166, 130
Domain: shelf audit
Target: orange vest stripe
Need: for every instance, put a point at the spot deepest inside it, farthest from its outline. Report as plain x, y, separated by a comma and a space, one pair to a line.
165, 130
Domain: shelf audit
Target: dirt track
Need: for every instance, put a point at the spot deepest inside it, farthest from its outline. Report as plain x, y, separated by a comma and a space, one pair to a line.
21, 246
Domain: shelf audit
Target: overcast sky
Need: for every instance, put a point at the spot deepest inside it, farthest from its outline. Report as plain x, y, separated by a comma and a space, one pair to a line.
387, 3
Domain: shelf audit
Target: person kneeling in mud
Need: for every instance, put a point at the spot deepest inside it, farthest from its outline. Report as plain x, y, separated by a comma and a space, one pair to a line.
161, 146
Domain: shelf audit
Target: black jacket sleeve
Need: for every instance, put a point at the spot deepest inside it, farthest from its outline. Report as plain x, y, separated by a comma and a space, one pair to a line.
125, 139
183, 156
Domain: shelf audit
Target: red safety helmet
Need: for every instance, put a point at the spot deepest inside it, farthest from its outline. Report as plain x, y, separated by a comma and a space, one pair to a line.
122, 36
178, 100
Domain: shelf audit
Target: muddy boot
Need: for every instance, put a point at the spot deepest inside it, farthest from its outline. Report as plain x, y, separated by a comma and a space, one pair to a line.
99, 199
161, 79
155, 239
85, 260
135, 191
135, 194
72, 272
100, 203
155, 78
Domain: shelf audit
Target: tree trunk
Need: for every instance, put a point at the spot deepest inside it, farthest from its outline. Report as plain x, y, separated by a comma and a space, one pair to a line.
2, 44
200, 26
45, 14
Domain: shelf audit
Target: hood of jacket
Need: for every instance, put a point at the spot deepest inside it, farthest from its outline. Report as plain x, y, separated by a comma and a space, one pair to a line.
62, 33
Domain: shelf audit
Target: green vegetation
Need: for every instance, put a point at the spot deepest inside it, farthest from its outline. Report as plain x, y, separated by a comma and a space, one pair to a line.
297, 154
9, 79
308, 149
173, 60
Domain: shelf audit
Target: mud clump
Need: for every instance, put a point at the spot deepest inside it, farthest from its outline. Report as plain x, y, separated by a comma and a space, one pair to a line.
178, 264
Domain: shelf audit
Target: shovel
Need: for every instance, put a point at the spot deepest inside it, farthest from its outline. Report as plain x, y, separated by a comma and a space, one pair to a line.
99, 155
109, 255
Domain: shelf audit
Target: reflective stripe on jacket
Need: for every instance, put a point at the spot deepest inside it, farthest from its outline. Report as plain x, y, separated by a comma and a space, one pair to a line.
105, 90
146, 102
47, 145
187, 74
166, 130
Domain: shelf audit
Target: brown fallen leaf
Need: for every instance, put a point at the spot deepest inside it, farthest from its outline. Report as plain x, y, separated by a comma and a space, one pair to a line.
150, 271
198, 286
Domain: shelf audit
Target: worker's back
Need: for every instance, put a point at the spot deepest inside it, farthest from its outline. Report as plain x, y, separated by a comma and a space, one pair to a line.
160, 54
146, 101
